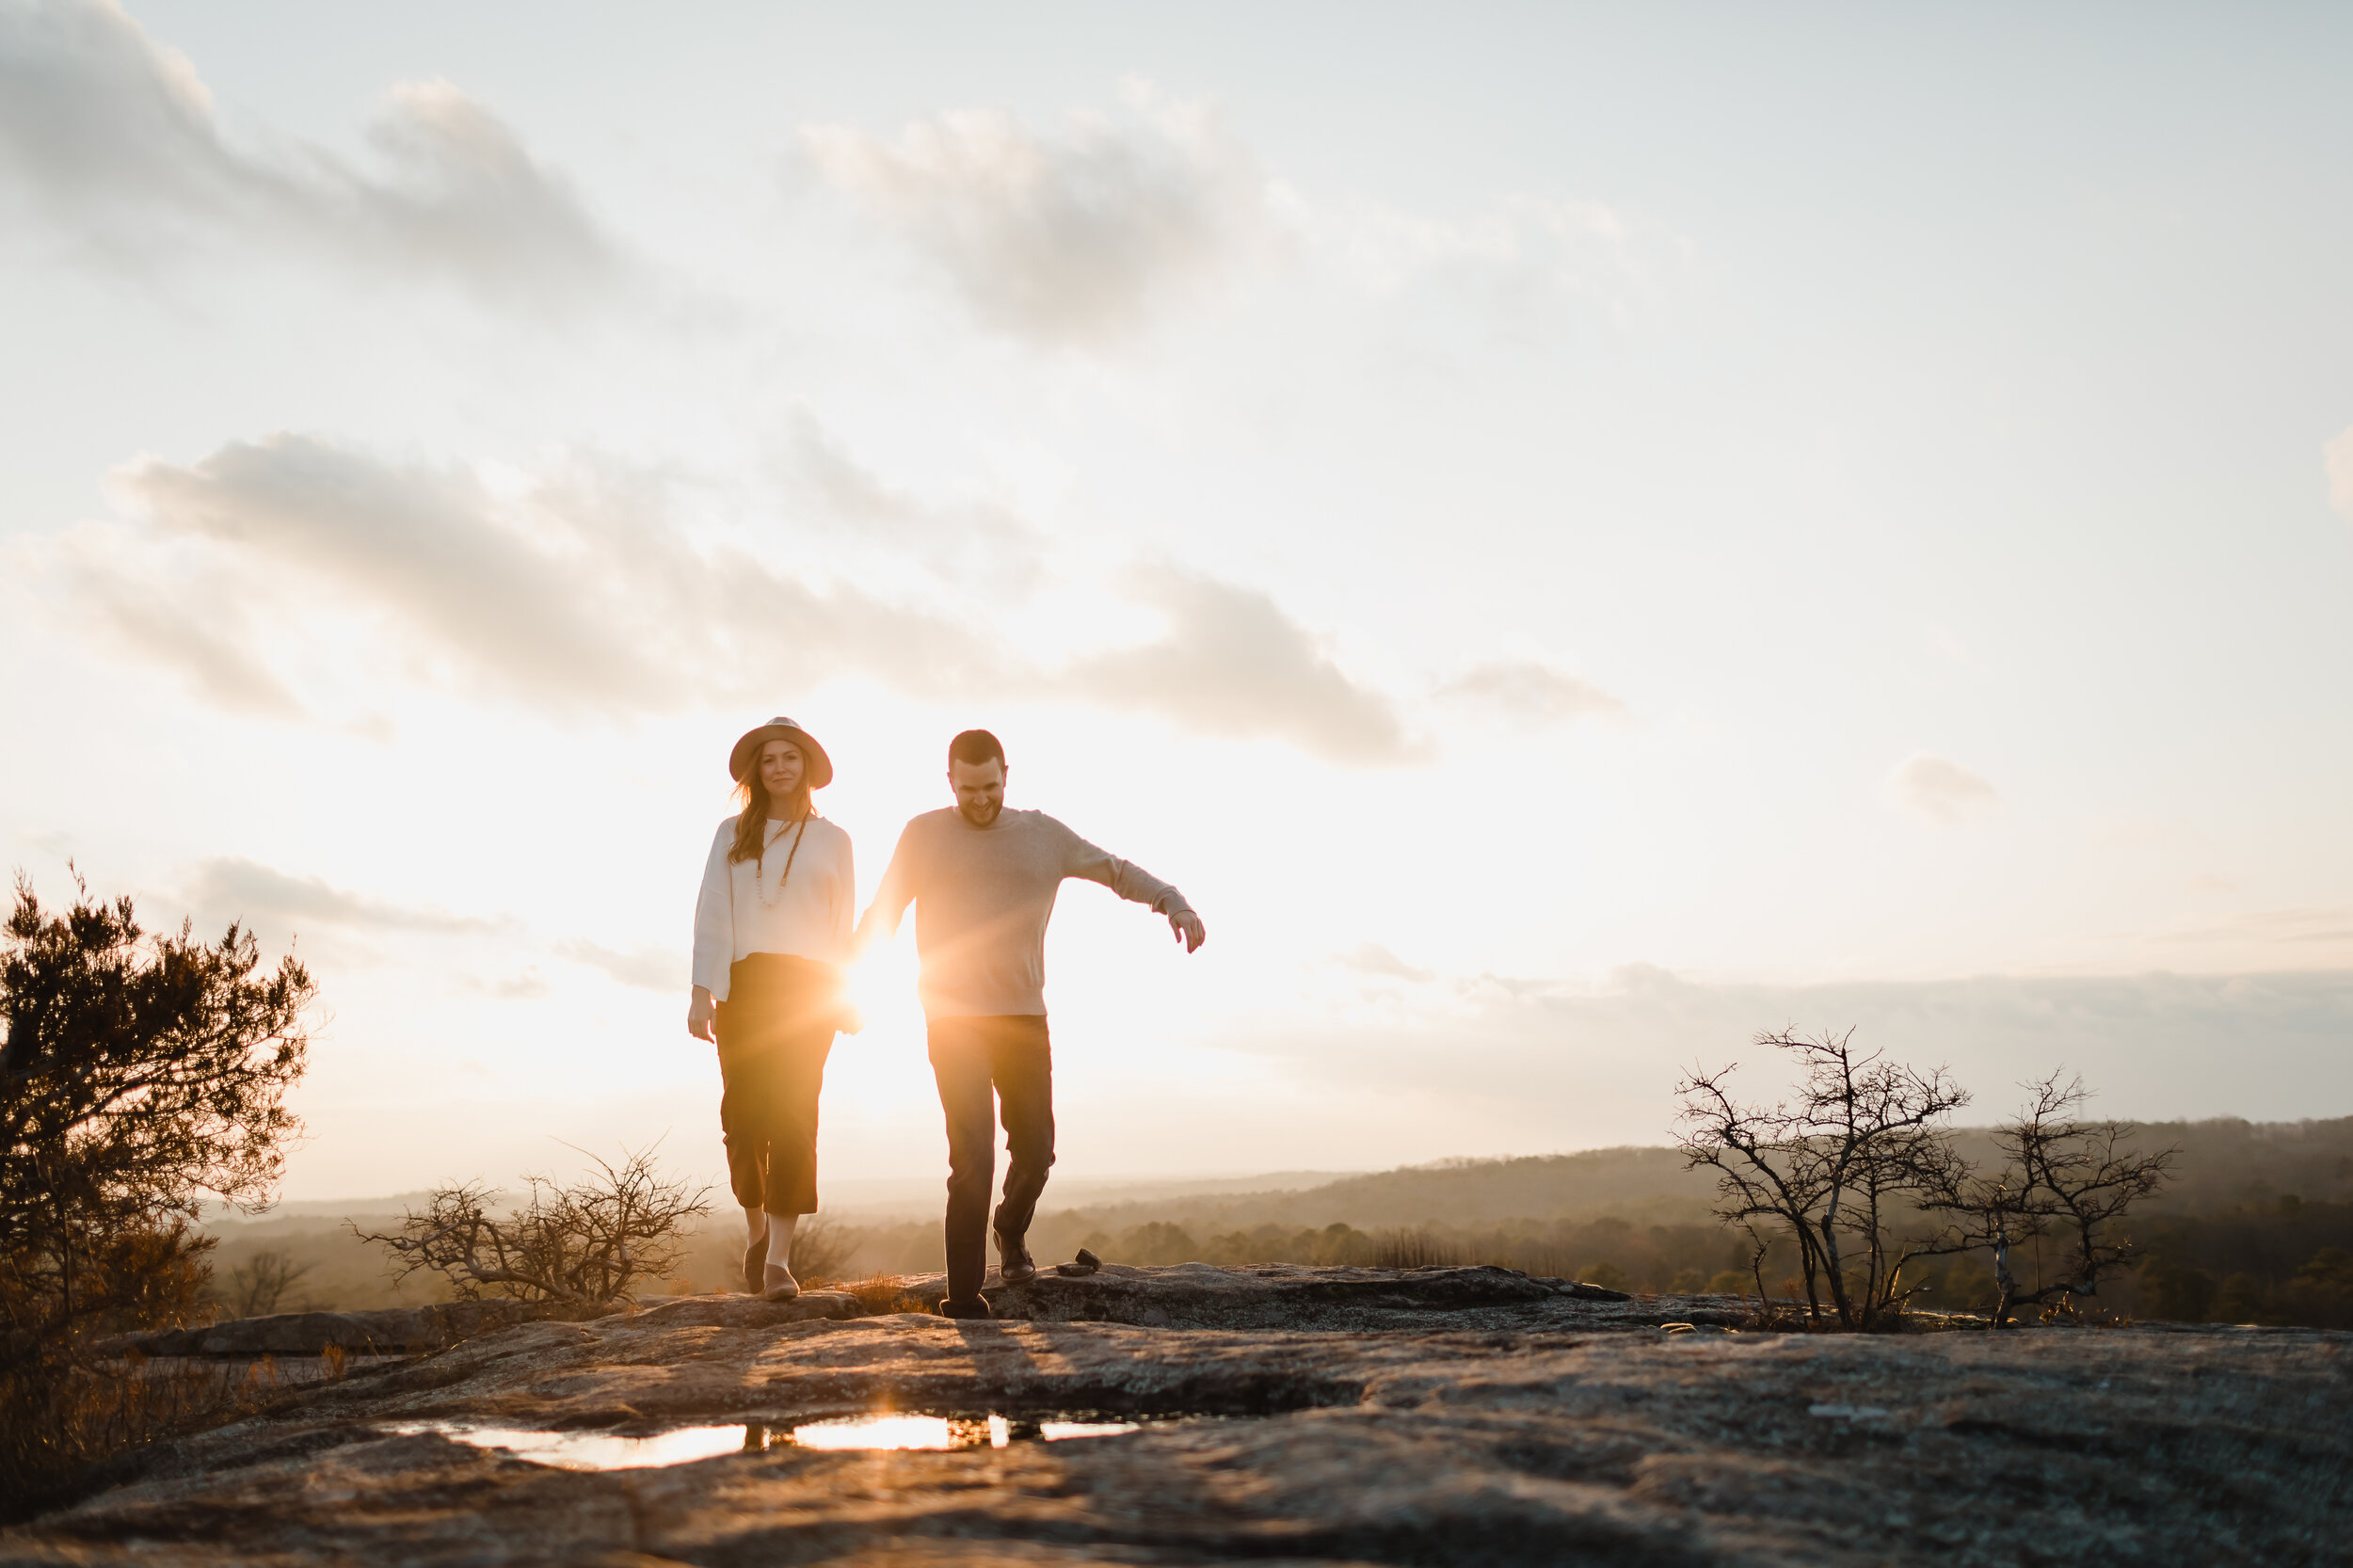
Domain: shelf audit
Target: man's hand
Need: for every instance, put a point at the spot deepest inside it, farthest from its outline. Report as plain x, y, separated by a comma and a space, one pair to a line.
702, 1015
1189, 929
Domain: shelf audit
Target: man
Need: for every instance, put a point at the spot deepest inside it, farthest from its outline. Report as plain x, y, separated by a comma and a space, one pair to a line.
983, 880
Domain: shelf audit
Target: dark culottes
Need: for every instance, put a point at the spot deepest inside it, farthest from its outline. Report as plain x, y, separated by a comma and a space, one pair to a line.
982, 1064
775, 1030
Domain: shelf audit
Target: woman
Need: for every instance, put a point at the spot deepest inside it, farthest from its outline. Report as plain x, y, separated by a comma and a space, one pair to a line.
771, 931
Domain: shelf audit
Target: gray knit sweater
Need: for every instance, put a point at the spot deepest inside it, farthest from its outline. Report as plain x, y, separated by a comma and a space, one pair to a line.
983, 896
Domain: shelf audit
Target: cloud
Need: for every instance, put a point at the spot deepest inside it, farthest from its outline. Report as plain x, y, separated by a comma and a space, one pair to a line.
113, 136
247, 891
1233, 664
2338, 456
1071, 238
1513, 270
195, 626
271, 571
1939, 790
985, 540
2258, 929
1530, 693
1553, 1063
1373, 959
529, 985
567, 587
647, 969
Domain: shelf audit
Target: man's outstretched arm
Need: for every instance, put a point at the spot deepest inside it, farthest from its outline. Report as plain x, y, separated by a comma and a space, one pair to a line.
1136, 884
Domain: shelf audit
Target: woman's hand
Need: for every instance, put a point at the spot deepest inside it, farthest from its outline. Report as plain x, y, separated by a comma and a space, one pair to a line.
850, 1020
702, 1015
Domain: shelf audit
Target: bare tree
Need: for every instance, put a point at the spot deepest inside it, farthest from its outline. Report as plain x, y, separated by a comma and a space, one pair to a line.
2061, 1177
1835, 1170
258, 1286
822, 1250
586, 1242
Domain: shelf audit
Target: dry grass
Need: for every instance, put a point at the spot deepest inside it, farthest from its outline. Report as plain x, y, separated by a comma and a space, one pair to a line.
881, 1293
57, 1420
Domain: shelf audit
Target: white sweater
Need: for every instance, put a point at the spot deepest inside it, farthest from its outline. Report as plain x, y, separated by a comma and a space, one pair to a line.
742, 911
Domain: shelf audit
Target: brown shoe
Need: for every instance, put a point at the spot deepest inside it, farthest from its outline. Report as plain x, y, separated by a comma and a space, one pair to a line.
1013, 1265
777, 1284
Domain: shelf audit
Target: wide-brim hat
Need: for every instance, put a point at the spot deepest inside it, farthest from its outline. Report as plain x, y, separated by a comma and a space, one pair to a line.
780, 729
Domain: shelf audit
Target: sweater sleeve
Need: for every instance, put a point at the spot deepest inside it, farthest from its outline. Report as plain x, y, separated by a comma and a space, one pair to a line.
714, 917
1124, 877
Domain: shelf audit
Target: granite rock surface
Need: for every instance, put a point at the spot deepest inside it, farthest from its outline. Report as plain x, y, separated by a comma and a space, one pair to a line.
1288, 1415
384, 1331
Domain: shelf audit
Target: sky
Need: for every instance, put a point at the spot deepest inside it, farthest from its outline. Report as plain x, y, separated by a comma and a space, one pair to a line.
1574, 534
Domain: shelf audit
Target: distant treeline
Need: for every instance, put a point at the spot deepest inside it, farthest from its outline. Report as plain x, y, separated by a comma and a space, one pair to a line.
2259, 1228
2287, 1261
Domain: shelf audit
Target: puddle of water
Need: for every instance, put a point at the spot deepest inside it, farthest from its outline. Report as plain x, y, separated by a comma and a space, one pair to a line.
592, 1451
934, 1431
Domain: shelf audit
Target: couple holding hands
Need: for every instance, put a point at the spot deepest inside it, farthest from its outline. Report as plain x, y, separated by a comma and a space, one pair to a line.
773, 930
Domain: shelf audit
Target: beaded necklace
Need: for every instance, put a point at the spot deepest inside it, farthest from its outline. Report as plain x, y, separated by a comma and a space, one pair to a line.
759, 873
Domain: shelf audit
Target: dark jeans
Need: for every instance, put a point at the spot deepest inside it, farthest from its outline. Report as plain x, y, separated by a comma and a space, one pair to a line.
775, 1030
982, 1064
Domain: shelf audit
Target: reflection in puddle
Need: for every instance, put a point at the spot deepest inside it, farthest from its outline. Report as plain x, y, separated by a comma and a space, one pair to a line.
594, 1450
589, 1450
928, 1432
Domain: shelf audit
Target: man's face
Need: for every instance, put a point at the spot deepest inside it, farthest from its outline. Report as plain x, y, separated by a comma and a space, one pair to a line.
980, 790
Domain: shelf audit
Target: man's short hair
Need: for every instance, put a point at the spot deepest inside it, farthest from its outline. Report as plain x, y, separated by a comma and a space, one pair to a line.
975, 747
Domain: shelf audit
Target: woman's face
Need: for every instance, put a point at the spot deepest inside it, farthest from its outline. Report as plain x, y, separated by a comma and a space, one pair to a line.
781, 768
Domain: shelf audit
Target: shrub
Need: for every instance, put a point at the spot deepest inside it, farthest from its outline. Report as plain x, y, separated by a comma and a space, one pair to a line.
587, 1242
822, 1251
66, 1418
1863, 1174
258, 1286
1831, 1170
2060, 1176
138, 1076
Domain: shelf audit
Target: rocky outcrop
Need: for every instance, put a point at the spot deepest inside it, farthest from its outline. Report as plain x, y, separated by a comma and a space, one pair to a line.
745, 1312
391, 1331
1190, 1295
1278, 1296
1510, 1427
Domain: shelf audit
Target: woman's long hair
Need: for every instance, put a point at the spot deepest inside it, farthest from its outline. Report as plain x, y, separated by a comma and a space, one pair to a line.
751, 828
